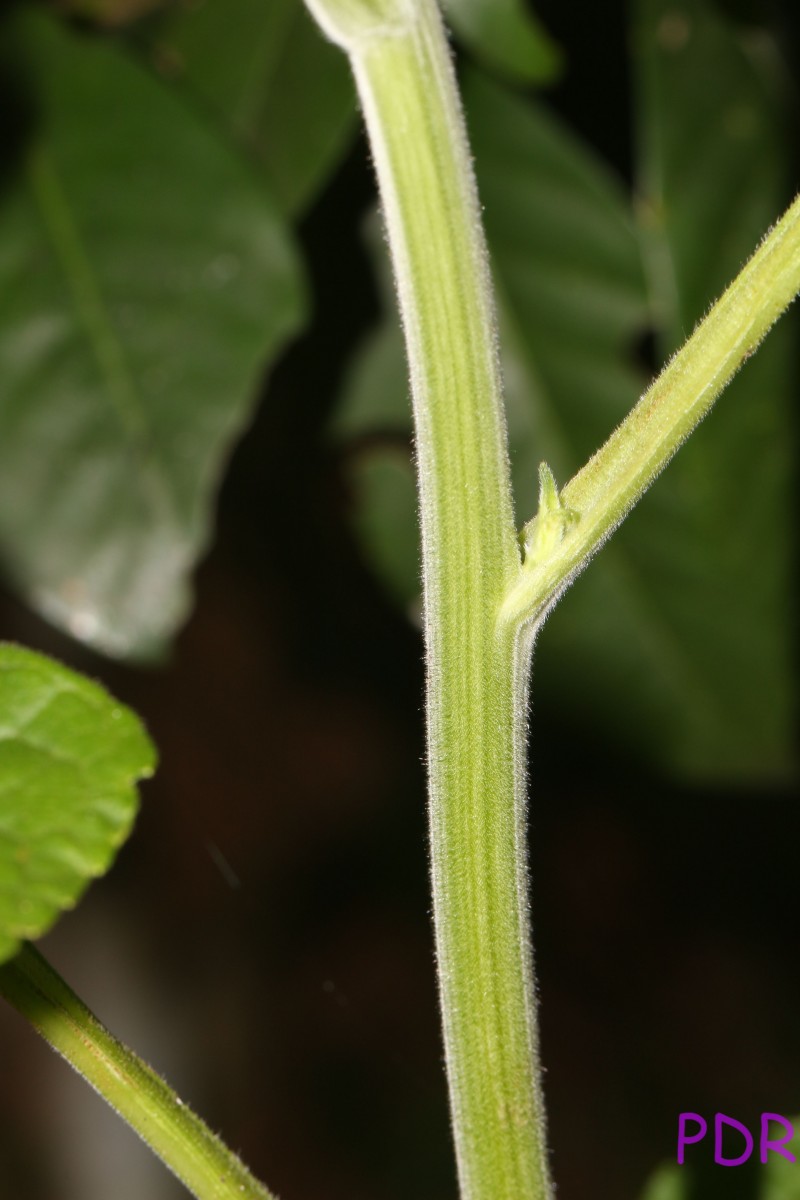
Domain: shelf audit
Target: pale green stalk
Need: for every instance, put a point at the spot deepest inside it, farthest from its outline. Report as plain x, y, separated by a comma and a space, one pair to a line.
200, 1160
476, 672
482, 605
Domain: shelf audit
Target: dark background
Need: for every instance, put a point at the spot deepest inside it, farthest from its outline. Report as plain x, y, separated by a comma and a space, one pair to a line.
265, 936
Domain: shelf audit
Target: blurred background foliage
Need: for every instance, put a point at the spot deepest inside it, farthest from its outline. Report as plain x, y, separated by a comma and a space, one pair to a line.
206, 491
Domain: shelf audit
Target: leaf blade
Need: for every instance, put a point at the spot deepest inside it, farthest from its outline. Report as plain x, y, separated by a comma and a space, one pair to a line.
281, 91
143, 291
70, 757
505, 36
713, 177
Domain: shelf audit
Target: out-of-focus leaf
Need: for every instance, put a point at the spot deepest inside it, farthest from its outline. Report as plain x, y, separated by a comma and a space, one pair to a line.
145, 283
376, 396
780, 1178
668, 621
265, 70
573, 297
669, 1182
712, 159
383, 479
570, 283
653, 646
70, 757
716, 550
505, 36
110, 13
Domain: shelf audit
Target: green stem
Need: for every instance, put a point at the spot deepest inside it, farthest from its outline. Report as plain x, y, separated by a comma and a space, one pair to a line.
476, 675
188, 1147
482, 605
599, 497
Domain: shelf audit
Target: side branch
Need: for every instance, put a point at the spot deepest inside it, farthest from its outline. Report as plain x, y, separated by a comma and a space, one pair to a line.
604, 491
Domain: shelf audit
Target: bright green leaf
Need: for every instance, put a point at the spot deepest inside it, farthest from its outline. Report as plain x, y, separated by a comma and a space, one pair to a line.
277, 86
505, 36
145, 283
70, 757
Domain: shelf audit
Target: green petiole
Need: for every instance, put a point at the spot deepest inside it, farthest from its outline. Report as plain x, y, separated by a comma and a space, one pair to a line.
188, 1147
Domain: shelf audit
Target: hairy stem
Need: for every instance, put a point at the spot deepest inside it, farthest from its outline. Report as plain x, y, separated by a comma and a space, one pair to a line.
602, 493
188, 1147
482, 605
476, 676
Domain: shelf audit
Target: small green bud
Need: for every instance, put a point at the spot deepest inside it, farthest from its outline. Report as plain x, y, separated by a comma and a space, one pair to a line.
546, 531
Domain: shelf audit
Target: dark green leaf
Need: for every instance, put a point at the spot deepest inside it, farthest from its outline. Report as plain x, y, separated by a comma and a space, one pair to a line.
505, 36
570, 283
70, 757
716, 549
281, 90
376, 393
145, 283
382, 480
